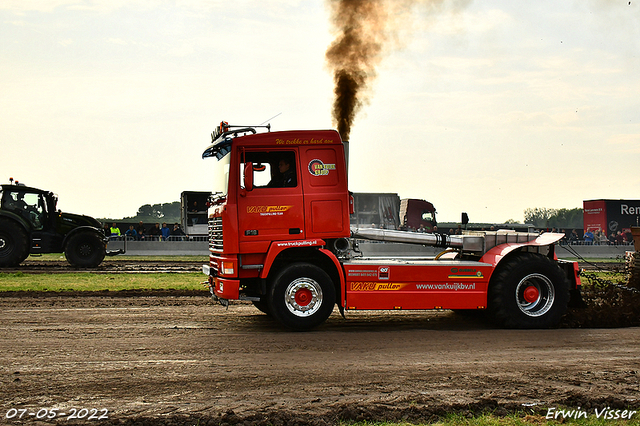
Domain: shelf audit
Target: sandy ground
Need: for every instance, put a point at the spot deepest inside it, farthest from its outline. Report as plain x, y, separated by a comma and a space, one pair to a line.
181, 359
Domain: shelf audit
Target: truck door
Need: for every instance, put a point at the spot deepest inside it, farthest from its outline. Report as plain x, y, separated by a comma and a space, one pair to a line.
273, 209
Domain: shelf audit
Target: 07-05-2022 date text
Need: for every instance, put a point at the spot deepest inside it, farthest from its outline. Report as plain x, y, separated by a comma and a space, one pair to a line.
56, 413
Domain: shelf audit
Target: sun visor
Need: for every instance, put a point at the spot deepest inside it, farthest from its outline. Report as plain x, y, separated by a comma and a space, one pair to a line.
218, 149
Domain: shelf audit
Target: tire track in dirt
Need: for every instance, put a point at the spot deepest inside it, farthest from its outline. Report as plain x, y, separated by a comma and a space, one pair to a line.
162, 358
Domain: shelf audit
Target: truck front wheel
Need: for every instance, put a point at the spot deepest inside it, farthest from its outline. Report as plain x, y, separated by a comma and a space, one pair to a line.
14, 243
528, 291
262, 307
302, 296
85, 250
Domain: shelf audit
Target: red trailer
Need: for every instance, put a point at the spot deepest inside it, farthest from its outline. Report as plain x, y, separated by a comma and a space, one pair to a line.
611, 216
280, 237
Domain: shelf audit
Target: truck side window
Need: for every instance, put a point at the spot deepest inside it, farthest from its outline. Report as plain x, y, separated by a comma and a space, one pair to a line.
427, 216
285, 174
273, 169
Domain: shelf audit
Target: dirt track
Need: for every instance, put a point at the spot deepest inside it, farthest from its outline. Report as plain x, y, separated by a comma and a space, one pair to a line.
180, 359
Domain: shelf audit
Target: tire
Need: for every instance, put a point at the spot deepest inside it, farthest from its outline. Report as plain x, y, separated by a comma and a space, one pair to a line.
528, 291
14, 243
85, 250
301, 296
262, 307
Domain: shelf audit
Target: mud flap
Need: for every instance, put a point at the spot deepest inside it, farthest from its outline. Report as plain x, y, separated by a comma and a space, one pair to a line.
341, 309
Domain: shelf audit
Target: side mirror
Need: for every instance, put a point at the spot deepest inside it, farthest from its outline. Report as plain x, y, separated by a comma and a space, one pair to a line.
248, 176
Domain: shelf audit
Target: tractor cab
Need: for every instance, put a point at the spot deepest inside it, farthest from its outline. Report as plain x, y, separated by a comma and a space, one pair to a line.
29, 204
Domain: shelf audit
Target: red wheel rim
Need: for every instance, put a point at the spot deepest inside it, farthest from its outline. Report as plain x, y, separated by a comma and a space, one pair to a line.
303, 297
531, 294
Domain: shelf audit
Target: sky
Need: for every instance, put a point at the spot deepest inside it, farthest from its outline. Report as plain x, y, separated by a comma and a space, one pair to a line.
488, 107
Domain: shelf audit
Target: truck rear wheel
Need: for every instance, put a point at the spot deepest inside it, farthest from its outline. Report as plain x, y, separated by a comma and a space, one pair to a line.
302, 296
528, 291
85, 250
14, 243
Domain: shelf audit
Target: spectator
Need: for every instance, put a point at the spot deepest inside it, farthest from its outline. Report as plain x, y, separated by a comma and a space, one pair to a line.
601, 237
131, 233
628, 236
141, 230
588, 237
564, 239
166, 232
155, 232
177, 232
114, 230
107, 229
573, 237
619, 238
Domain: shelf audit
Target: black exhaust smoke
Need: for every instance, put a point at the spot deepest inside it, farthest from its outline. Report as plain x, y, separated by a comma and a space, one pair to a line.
363, 29
353, 56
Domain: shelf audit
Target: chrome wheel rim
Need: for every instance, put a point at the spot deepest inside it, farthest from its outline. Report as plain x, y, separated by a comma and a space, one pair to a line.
303, 297
535, 294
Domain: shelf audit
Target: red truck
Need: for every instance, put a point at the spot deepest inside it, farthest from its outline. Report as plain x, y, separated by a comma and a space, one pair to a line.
417, 215
279, 236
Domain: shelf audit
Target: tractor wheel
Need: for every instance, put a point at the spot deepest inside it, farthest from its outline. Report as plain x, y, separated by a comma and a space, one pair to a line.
302, 296
85, 250
14, 243
528, 291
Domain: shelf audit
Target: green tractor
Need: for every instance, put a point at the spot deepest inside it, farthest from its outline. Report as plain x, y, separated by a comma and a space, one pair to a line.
30, 224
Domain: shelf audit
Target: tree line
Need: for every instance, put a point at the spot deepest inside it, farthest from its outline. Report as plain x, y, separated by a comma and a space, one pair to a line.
542, 217
162, 212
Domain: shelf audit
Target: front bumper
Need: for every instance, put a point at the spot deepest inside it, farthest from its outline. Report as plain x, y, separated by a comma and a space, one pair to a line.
222, 288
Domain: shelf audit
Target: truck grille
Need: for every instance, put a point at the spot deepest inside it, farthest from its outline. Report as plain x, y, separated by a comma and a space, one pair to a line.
215, 233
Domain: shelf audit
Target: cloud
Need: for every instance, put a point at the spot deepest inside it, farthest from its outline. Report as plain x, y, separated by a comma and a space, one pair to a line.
117, 41
21, 6
626, 143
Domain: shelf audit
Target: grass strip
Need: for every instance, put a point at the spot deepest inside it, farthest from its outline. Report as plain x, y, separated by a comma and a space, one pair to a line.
510, 420
51, 257
86, 281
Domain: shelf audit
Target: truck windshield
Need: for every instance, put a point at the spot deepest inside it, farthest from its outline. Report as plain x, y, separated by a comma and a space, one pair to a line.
427, 216
221, 175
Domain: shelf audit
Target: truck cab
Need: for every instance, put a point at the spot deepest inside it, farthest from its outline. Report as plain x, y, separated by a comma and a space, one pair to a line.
417, 215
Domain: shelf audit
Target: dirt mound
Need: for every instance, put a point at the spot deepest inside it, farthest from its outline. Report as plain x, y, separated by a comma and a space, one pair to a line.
607, 303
